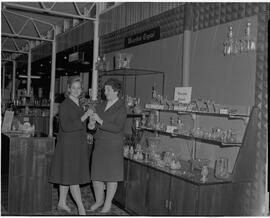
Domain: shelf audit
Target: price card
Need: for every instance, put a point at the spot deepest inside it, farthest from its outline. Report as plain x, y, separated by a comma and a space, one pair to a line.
148, 106
170, 129
154, 106
157, 106
223, 111
182, 94
180, 108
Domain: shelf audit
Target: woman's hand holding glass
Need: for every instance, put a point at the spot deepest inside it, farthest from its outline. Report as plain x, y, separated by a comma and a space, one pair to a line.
97, 118
87, 114
92, 121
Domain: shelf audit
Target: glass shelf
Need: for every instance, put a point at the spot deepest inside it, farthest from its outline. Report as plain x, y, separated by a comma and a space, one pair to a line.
230, 116
33, 106
134, 115
211, 141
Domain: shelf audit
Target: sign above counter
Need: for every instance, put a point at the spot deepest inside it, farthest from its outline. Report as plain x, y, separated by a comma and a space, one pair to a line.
143, 37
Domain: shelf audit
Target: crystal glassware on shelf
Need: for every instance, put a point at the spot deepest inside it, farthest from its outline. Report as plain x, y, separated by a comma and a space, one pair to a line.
204, 174
180, 125
151, 120
143, 120
131, 151
233, 136
126, 150
138, 108
221, 168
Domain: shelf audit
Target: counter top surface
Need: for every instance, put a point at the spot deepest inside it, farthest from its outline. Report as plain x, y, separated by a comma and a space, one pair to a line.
20, 134
185, 173
32, 115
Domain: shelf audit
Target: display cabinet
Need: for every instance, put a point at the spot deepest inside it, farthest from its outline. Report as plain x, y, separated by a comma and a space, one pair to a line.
137, 188
229, 128
132, 81
131, 87
155, 190
158, 193
183, 198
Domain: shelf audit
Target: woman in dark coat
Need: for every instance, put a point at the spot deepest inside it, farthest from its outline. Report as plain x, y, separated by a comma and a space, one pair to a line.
70, 165
107, 160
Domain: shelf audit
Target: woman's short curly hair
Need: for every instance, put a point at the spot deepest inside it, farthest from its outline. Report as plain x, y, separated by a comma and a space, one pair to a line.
115, 84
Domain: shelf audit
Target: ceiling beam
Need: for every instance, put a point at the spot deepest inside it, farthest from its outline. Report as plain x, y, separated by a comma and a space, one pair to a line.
8, 22
4, 59
90, 9
27, 17
25, 37
45, 11
14, 51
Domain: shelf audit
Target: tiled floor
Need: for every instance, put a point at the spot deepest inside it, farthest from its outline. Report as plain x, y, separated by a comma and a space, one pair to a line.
88, 200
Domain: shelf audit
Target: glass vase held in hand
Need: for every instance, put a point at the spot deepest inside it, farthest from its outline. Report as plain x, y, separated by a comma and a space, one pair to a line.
92, 123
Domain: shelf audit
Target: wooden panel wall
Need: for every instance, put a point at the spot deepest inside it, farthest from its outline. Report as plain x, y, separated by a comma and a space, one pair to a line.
29, 165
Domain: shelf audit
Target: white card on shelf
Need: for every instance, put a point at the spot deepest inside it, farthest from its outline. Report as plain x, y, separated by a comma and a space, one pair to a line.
170, 129
180, 108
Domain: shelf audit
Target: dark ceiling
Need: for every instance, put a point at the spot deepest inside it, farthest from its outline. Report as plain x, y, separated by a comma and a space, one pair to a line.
63, 66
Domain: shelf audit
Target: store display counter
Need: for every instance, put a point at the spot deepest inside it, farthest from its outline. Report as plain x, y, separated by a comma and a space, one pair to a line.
25, 160
151, 190
185, 173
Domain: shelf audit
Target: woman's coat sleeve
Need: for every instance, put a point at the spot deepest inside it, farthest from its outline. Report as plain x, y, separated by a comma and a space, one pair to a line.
119, 123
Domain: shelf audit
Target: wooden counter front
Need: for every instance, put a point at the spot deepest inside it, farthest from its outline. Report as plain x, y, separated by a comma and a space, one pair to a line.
153, 191
24, 173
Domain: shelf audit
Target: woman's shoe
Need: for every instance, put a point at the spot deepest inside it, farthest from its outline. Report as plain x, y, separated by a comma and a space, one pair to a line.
82, 212
105, 210
60, 208
95, 206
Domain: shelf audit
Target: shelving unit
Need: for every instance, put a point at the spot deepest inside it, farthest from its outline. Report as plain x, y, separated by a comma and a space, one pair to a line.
194, 114
183, 192
204, 113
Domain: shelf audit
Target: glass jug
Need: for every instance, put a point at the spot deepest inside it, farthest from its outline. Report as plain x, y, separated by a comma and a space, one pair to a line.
221, 168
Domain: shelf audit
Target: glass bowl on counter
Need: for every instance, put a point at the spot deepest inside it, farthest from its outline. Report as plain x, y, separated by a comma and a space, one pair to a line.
153, 143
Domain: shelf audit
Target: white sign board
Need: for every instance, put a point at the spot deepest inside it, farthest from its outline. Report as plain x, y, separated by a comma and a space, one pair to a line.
6, 126
182, 94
